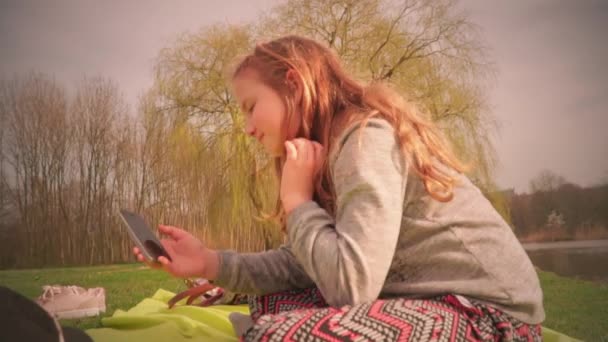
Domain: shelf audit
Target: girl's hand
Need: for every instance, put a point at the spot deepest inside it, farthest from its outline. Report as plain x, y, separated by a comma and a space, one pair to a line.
190, 257
303, 161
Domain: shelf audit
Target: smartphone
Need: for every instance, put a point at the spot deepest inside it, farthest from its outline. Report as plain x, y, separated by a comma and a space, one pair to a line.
142, 236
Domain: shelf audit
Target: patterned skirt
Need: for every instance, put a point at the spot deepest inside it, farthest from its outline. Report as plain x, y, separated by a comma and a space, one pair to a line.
303, 315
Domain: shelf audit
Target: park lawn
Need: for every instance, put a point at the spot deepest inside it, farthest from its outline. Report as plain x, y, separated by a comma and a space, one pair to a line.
126, 285
575, 307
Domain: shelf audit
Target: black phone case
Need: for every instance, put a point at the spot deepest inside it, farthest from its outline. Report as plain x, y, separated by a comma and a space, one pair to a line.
142, 236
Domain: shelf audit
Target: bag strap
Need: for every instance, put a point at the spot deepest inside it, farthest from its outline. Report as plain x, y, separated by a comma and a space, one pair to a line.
195, 292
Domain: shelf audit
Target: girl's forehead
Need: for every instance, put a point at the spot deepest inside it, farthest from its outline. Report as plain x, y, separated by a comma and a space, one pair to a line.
245, 83
248, 75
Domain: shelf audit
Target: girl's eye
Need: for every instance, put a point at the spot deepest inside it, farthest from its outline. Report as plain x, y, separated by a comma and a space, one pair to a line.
251, 109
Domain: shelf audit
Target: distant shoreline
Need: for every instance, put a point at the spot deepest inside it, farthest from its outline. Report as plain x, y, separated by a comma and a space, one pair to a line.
536, 246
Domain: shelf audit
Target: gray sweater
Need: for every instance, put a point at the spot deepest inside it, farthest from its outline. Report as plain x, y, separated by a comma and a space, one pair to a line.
391, 239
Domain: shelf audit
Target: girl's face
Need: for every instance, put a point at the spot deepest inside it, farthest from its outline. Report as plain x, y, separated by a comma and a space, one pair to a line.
264, 111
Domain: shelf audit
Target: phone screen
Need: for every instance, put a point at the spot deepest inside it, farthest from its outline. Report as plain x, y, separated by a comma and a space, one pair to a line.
142, 236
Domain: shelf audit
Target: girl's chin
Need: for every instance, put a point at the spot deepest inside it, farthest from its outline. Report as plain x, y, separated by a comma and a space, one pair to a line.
274, 151
275, 154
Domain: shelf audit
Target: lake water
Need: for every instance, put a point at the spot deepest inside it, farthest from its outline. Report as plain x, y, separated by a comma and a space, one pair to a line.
577, 259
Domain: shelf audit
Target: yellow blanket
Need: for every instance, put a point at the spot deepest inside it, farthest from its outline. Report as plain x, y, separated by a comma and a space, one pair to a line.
151, 320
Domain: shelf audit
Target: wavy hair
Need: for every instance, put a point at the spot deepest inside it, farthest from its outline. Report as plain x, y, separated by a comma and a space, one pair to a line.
331, 98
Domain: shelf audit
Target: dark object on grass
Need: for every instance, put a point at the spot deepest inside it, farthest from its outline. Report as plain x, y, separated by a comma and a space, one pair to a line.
22, 319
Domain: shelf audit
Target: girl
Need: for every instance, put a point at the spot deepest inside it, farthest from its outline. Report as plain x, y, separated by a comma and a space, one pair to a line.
387, 239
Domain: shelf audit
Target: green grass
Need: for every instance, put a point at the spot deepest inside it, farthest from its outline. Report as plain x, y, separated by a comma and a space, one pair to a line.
126, 285
575, 307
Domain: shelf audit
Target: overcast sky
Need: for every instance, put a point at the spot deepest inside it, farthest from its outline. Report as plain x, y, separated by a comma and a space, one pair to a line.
551, 94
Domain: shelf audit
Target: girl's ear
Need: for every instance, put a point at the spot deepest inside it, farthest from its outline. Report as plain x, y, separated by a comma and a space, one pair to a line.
294, 84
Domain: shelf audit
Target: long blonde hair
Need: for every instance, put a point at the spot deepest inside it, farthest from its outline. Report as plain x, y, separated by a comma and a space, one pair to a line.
330, 96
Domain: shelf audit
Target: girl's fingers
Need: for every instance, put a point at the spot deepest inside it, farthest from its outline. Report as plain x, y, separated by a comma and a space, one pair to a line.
301, 146
294, 150
292, 153
163, 261
319, 156
165, 264
311, 151
173, 232
317, 148
306, 151
168, 246
309, 147
141, 258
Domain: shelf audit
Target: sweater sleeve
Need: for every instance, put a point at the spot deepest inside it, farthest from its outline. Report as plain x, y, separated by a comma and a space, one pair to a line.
261, 273
349, 257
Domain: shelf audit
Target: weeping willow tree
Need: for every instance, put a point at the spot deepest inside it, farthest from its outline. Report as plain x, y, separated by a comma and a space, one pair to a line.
220, 177
425, 48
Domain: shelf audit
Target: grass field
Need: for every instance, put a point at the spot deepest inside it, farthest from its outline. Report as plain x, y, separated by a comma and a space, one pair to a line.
574, 307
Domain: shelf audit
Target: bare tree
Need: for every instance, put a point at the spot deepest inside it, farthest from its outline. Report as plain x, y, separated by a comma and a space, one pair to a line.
37, 139
4, 185
95, 112
546, 181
